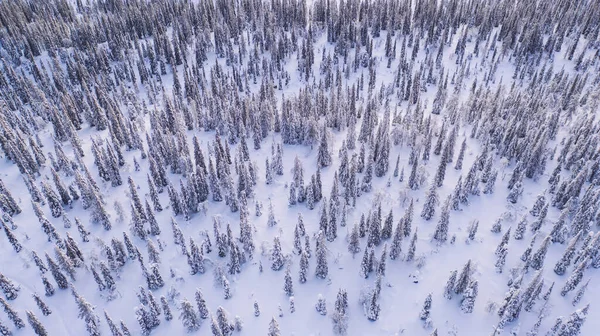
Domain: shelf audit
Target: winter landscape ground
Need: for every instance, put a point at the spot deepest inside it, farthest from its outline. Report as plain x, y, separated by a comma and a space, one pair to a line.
225, 167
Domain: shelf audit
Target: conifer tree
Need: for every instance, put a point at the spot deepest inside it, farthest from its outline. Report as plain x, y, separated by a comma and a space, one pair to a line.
60, 278
501, 257
462, 282
469, 296
324, 156
146, 320
256, 309
10, 290
539, 221
521, 228
572, 326
124, 329
490, 183
87, 314
580, 292
374, 237
271, 221
276, 255
412, 248
4, 331
288, 285
166, 309
274, 328
201, 303
430, 203
461, 155
386, 231
321, 269
188, 317
396, 248
36, 325
12, 315
574, 279
98, 279
425, 311
537, 259
48, 287
303, 267
539, 204
354, 243
515, 192
114, 330
567, 257
321, 305
373, 308
441, 229
448, 289
53, 200
225, 326
307, 246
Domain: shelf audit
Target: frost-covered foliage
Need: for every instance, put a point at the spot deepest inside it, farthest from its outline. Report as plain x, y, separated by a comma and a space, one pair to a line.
138, 137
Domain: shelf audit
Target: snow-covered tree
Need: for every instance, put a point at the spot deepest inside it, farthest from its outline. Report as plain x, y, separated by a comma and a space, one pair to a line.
469, 296
321, 269
321, 305
189, 317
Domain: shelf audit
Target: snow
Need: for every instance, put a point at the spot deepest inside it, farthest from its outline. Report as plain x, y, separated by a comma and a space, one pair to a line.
404, 287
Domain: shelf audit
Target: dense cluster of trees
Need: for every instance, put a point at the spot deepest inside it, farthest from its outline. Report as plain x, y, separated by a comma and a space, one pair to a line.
143, 76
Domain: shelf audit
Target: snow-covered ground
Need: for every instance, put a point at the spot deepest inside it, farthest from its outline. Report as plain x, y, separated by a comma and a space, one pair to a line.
405, 285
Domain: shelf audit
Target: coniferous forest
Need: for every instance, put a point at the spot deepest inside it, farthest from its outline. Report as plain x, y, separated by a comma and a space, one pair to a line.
299, 167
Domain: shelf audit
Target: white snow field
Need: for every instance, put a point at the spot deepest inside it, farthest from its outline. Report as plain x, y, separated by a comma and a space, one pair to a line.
500, 99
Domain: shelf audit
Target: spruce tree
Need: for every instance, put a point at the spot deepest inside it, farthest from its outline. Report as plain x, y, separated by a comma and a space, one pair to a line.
274, 328
431, 201
48, 287
36, 325
276, 255
407, 219
572, 326
321, 269
354, 242
201, 303
412, 248
86, 313
580, 292
461, 155
256, 309
42, 305
501, 257
12, 315
373, 308
441, 229
386, 231
114, 330
288, 285
567, 257
188, 317
321, 305
462, 282
59, 277
574, 279
12, 239
537, 259
225, 326
303, 267
425, 311
9, 288
521, 228
324, 156
448, 289
469, 296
